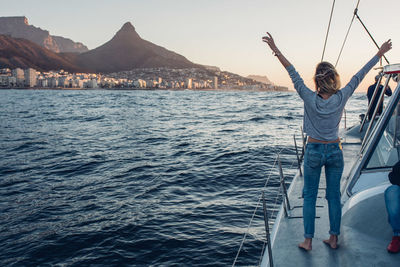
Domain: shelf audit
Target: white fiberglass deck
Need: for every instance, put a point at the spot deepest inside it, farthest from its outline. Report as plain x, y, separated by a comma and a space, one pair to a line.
361, 243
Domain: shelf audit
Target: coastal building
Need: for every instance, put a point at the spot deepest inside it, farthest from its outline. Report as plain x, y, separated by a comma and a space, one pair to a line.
43, 83
159, 78
5, 71
7, 81
4, 80
92, 83
151, 84
189, 83
62, 81
71, 83
30, 77
140, 83
79, 83
52, 82
19, 76
12, 81
215, 82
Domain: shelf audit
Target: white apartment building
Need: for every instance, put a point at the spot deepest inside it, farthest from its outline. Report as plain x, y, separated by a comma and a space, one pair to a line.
189, 84
215, 82
19, 75
30, 77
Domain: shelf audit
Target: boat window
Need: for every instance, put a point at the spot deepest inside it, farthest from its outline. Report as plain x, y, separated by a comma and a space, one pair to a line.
387, 151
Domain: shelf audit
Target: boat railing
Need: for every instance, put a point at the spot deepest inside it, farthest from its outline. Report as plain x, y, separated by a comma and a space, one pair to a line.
372, 119
280, 198
371, 103
390, 72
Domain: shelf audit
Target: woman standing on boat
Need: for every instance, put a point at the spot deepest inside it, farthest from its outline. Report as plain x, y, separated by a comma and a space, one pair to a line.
322, 114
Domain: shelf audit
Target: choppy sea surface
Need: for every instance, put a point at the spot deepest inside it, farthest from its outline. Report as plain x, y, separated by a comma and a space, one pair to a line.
142, 178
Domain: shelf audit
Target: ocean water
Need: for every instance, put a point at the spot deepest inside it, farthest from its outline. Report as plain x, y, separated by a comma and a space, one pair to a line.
142, 178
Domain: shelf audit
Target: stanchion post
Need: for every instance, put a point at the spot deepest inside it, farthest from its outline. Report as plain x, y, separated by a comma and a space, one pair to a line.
286, 204
271, 262
297, 155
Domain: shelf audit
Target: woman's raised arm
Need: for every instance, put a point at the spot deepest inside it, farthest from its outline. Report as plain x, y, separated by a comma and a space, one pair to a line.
270, 41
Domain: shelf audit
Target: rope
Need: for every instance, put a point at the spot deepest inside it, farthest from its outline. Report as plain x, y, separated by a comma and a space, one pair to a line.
327, 31
347, 34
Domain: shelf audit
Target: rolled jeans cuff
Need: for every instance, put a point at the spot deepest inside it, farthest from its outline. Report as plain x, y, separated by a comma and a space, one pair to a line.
334, 233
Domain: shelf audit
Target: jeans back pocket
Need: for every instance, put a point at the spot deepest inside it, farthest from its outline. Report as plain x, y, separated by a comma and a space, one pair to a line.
312, 158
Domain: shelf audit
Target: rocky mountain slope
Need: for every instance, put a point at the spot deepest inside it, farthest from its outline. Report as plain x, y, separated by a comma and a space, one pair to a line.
22, 53
19, 27
126, 51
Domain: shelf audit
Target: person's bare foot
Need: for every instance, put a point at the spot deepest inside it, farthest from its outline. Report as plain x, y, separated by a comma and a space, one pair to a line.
306, 245
332, 241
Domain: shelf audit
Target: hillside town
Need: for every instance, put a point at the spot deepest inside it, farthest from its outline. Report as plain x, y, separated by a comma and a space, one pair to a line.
145, 78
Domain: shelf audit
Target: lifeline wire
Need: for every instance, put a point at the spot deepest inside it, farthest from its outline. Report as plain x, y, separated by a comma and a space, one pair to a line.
255, 210
252, 217
274, 213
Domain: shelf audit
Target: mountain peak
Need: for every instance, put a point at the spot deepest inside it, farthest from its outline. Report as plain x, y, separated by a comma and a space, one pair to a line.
128, 27
127, 32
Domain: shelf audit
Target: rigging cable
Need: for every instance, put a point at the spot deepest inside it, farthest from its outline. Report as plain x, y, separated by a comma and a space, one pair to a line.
327, 31
355, 13
347, 34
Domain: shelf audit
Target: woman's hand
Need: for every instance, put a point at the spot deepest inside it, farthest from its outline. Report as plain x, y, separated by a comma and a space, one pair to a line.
270, 41
386, 46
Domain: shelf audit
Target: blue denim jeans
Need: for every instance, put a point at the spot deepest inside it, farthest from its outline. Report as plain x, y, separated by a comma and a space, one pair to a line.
392, 200
316, 156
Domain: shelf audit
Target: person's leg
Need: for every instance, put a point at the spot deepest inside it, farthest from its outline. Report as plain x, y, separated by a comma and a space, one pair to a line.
333, 172
392, 200
313, 160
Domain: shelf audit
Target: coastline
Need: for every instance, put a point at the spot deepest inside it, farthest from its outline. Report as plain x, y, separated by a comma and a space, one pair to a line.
147, 89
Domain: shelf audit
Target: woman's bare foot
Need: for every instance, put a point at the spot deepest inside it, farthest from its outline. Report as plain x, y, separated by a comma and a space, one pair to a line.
306, 245
332, 241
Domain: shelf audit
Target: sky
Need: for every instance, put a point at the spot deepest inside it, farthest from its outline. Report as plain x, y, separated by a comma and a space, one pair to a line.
227, 33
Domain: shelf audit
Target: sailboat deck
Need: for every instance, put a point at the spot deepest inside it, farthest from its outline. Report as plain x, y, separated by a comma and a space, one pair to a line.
360, 243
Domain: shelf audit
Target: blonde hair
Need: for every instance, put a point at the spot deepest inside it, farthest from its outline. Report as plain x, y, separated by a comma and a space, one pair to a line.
326, 78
